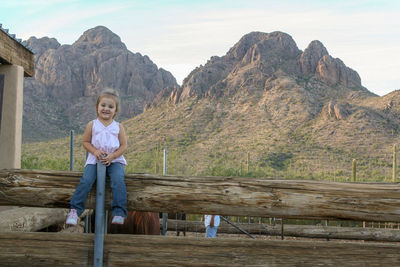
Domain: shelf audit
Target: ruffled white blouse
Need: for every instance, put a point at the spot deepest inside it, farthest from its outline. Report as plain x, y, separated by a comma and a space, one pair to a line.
105, 138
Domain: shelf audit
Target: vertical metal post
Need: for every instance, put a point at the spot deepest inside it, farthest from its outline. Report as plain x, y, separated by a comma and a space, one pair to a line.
248, 162
165, 162
88, 226
71, 152
105, 222
327, 224
99, 226
394, 163
86, 223
164, 215
354, 171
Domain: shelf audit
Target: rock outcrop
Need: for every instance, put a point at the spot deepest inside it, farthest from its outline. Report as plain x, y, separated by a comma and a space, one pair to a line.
338, 111
315, 60
72, 75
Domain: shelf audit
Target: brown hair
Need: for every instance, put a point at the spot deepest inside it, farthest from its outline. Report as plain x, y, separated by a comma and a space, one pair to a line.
111, 93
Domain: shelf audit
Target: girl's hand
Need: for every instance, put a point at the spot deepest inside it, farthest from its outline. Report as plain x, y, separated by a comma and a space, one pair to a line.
99, 154
107, 159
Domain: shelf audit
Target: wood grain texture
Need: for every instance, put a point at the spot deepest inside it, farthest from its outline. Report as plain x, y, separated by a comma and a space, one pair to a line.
54, 249
13, 52
215, 195
30, 219
307, 231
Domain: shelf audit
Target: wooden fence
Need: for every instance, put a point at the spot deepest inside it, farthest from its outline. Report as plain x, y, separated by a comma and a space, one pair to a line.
203, 195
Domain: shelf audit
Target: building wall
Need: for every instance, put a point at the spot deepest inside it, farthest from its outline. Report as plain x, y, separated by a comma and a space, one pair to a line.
11, 115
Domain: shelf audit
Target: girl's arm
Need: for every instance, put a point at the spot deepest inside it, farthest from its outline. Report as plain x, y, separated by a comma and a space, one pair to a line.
87, 139
122, 147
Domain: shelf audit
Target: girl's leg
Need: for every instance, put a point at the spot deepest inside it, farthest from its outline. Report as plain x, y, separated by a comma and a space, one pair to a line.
116, 172
211, 231
83, 188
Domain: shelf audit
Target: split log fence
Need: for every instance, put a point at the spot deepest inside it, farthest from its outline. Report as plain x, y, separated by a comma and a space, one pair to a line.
306, 231
203, 195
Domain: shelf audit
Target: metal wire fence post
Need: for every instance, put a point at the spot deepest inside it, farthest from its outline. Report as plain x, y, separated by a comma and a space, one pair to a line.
164, 215
99, 225
71, 152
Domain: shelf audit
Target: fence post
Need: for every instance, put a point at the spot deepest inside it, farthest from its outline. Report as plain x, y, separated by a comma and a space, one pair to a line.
88, 226
248, 162
354, 171
394, 177
164, 215
71, 152
100, 222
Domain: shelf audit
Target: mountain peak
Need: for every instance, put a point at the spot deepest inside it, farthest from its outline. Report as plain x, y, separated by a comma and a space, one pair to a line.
259, 58
99, 37
263, 41
42, 44
311, 56
316, 60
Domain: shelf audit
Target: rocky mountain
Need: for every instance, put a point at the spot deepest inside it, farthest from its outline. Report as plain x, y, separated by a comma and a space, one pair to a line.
270, 106
68, 78
267, 97
258, 61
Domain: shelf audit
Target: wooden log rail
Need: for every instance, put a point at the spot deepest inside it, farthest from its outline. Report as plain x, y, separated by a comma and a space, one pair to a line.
215, 195
55, 249
306, 231
30, 219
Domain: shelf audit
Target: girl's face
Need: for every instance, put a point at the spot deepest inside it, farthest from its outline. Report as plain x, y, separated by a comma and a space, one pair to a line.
107, 108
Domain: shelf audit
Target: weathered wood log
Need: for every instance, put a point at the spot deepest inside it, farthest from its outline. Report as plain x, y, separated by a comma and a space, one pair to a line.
216, 195
307, 231
30, 219
54, 249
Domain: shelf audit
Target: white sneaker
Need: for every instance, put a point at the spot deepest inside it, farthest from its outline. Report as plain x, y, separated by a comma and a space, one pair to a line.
118, 220
72, 217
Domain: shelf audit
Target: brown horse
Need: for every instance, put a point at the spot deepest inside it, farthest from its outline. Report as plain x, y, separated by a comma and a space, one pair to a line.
136, 223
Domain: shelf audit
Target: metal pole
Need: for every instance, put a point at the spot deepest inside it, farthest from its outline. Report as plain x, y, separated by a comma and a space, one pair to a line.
394, 177
105, 222
86, 223
88, 226
248, 162
165, 214
165, 162
71, 152
237, 227
327, 224
99, 226
354, 171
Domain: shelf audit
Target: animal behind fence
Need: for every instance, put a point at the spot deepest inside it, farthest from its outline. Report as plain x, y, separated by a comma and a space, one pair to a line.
136, 222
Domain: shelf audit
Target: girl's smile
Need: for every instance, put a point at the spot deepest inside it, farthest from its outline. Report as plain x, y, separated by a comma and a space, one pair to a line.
106, 109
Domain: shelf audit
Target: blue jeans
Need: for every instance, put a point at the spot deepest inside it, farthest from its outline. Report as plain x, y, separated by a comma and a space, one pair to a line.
116, 172
211, 231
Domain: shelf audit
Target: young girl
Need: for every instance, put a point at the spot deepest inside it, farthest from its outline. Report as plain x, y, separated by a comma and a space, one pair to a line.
105, 140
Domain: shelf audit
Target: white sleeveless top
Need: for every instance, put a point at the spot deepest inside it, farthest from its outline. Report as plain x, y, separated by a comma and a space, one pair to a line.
105, 138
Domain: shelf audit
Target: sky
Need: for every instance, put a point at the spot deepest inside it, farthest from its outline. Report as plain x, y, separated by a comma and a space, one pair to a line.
180, 35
